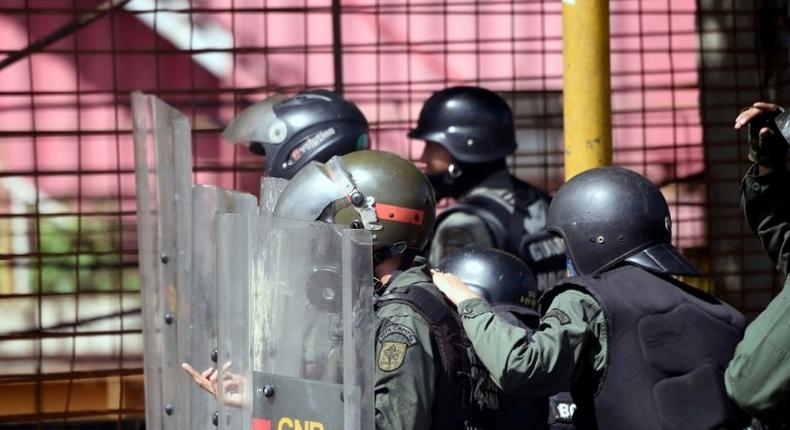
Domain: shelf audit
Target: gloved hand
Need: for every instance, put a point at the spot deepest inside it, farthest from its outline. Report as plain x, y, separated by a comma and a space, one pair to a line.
768, 125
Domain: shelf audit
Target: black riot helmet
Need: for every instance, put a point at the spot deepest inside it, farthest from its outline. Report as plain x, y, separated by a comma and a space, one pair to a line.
609, 216
291, 132
500, 277
473, 124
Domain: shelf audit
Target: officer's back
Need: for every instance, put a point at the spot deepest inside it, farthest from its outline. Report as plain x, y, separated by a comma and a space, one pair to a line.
638, 348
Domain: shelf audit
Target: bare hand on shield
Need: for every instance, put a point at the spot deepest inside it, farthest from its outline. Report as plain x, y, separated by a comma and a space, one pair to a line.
207, 380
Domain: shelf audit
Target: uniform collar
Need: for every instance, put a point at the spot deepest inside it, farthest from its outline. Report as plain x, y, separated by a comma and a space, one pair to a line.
413, 275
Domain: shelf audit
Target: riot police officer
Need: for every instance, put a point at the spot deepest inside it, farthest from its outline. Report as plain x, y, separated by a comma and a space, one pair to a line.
468, 133
758, 377
637, 347
509, 286
426, 374
291, 132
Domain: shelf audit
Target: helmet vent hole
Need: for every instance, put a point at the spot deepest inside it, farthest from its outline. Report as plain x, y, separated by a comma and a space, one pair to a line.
599, 240
621, 239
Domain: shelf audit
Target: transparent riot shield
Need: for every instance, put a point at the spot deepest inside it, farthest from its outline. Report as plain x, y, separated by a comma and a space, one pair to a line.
271, 188
177, 256
197, 302
163, 167
235, 255
295, 324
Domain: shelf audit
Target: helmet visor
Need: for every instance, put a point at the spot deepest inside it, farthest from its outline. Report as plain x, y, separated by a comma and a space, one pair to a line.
316, 186
663, 258
258, 123
309, 192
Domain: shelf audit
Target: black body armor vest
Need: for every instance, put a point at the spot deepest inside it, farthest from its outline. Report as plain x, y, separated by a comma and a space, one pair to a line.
508, 221
668, 346
466, 398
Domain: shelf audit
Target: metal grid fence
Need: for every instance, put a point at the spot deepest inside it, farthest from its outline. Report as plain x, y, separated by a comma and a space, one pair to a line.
70, 336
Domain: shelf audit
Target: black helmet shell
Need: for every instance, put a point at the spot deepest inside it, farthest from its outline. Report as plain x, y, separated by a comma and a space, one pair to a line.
611, 215
314, 125
473, 124
500, 277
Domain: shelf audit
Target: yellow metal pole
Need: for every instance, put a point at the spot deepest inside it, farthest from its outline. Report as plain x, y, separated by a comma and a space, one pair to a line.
586, 89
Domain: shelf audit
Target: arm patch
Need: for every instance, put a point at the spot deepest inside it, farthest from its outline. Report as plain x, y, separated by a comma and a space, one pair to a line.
394, 340
391, 356
557, 314
399, 333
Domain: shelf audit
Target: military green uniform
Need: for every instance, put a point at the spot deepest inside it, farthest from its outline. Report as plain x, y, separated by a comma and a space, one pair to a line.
758, 377
427, 375
621, 342
405, 372
461, 229
767, 208
572, 335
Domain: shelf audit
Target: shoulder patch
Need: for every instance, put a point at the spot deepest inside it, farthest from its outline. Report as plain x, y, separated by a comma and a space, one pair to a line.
397, 333
559, 315
391, 356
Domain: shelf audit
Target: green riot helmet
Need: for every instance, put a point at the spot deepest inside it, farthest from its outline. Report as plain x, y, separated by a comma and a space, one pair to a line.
375, 190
